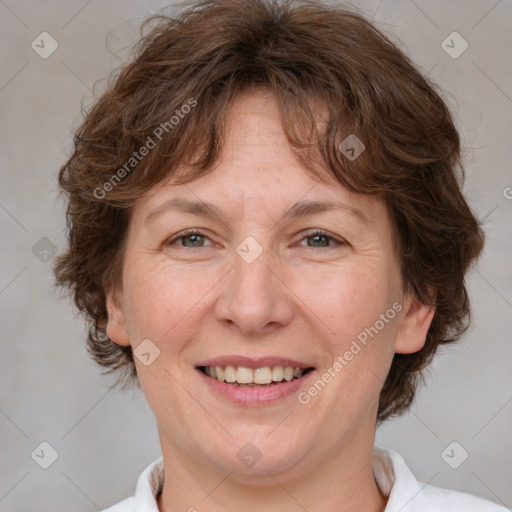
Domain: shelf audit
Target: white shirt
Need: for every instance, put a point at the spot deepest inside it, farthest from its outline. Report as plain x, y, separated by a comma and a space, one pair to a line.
391, 473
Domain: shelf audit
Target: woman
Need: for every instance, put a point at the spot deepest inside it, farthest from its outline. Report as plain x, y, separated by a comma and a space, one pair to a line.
267, 232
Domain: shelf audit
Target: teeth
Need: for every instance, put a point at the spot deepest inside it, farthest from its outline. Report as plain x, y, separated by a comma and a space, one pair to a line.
277, 373
244, 375
263, 375
230, 374
288, 373
221, 375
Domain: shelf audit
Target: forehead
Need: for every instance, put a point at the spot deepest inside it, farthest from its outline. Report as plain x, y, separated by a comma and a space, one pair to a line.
258, 169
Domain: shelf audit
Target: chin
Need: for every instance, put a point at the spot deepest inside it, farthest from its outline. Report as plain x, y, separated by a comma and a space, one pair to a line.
255, 452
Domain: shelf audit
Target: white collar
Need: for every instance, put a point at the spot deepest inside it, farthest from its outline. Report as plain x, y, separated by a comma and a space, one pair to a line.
392, 475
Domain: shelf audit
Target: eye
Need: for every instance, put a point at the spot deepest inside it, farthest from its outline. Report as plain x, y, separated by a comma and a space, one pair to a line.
321, 239
195, 237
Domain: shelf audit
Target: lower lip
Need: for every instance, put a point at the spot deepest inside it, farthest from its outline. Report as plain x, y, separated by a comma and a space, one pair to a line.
251, 397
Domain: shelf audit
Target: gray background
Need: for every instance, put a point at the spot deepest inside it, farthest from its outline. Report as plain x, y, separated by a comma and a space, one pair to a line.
50, 391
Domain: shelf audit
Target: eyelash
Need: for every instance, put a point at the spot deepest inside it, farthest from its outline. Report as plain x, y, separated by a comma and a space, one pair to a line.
318, 232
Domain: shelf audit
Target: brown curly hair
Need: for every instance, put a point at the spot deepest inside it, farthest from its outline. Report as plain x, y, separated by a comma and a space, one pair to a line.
304, 52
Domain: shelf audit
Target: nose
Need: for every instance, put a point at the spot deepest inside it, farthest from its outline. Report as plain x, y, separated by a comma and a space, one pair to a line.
254, 298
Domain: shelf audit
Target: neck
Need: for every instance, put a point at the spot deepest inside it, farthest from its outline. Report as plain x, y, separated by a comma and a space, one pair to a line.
344, 483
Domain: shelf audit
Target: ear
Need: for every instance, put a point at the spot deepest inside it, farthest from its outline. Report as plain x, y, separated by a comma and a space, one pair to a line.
412, 331
116, 323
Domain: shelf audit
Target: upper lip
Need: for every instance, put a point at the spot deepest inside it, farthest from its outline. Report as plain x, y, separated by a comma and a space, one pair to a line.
258, 362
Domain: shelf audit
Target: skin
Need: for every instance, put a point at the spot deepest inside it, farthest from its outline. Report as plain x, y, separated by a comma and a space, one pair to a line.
303, 298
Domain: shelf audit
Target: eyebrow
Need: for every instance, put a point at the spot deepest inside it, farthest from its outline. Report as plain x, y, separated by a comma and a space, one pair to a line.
298, 210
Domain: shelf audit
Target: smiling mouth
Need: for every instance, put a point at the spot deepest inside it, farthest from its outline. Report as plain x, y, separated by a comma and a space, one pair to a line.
243, 376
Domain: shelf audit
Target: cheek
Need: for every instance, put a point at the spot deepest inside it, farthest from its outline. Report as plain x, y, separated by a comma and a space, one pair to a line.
350, 303
161, 299
359, 342
347, 300
145, 293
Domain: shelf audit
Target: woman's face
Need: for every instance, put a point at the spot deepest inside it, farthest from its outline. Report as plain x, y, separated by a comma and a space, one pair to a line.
254, 292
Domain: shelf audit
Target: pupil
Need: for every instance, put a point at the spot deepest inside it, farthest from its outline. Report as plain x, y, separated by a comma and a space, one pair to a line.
192, 237
317, 237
